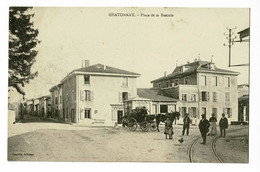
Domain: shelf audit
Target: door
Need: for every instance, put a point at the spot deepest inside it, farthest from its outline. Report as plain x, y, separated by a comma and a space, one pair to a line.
163, 108
204, 111
183, 111
214, 110
119, 116
72, 116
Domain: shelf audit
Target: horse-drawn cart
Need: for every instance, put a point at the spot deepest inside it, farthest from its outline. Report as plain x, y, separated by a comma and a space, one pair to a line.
139, 117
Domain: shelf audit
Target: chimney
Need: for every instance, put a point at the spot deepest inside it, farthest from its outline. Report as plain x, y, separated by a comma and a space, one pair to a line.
105, 67
165, 74
86, 63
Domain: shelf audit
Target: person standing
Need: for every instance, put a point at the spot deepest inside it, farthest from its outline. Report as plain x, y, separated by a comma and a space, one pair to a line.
213, 121
186, 124
204, 128
223, 124
168, 130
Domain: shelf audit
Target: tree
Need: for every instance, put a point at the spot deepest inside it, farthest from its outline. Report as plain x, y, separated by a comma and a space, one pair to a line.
22, 43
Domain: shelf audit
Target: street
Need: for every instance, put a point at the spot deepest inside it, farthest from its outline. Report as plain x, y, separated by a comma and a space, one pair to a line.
38, 139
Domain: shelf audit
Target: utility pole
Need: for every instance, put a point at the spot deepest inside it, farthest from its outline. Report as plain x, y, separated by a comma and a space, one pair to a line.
230, 42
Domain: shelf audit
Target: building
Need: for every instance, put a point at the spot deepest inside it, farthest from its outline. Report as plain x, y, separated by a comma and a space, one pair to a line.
243, 103
56, 102
15, 101
161, 101
45, 106
93, 94
153, 99
202, 88
29, 106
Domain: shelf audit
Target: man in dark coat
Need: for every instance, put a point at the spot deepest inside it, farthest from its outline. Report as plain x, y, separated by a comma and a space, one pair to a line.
204, 128
223, 125
186, 124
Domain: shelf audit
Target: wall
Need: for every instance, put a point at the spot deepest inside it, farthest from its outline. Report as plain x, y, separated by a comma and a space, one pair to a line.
69, 100
105, 91
221, 89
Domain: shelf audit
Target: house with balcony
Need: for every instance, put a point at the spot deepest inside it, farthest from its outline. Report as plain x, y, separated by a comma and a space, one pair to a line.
202, 88
93, 94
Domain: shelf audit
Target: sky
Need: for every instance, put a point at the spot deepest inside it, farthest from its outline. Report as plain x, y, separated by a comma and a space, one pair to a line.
146, 45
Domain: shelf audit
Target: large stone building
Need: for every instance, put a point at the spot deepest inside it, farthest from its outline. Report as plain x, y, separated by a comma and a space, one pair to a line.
93, 94
202, 88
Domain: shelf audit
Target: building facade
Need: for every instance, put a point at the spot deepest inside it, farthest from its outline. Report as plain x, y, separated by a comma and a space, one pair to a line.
44, 106
94, 94
202, 88
15, 101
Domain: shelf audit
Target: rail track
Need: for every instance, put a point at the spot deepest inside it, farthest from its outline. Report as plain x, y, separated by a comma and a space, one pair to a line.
212, 146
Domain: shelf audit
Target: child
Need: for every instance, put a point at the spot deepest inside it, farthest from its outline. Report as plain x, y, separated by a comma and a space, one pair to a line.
168, 128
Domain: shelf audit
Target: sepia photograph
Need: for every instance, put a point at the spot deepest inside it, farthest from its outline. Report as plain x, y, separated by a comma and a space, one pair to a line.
128, 84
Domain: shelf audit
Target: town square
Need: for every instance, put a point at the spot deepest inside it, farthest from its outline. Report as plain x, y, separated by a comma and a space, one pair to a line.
88, 86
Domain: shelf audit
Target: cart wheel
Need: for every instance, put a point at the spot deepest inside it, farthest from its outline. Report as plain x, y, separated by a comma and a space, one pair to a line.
153, 126
144, 126
132, 124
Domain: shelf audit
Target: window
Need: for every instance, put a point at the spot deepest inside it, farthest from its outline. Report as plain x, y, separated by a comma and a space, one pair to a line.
87, 95
184, 97
125, 82
86, 79
203, 80
56, 100
204, 110
193, 112
227, 97
193, 98
163, 108
215, 81
228, 111
125, 95
88, 113
204, 96
176, 82
214, 96
227, 82
186, 81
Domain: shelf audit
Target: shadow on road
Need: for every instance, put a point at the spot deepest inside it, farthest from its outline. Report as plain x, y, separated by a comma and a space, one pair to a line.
32, 119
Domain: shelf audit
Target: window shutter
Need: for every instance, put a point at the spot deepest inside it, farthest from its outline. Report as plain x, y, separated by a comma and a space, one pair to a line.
82, 95
200, 96
216, 96
208, 96
120, 97
189, 111
230, 112
92, 96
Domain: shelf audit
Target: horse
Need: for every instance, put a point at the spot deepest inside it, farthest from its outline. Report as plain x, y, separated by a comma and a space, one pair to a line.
162, 118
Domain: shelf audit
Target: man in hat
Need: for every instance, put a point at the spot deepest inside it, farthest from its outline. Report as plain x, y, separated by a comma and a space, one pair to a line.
204, 128
223, 125
186, 124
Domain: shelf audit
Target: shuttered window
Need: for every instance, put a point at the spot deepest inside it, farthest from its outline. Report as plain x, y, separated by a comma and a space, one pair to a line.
214, 96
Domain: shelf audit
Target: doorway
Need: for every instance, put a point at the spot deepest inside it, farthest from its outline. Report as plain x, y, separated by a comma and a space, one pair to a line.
214, 110
119, 116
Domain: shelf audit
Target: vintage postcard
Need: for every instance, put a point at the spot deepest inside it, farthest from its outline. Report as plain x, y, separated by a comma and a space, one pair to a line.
132, 84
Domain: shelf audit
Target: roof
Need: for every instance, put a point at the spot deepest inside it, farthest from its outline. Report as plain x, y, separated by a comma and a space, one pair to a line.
244, 98
139, 99
100, 68
244, 33
194, 67
155, 94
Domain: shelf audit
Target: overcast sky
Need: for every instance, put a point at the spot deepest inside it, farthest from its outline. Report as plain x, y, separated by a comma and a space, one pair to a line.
146, 45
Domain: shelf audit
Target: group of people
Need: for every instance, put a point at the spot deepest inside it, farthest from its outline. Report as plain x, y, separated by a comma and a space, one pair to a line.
206, 127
